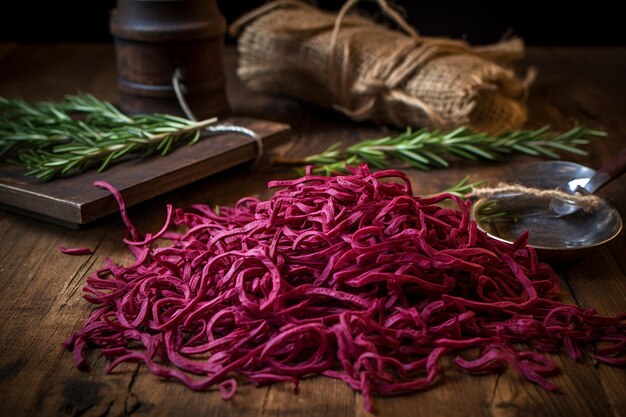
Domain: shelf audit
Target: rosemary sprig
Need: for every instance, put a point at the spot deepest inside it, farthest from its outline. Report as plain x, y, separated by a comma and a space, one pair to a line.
463, 188
56, 139
425, 149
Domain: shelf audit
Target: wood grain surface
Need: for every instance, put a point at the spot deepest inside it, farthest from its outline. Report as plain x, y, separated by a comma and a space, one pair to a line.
40, 295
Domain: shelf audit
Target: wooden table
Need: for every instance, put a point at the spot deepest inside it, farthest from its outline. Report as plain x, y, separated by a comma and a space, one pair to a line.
40, 296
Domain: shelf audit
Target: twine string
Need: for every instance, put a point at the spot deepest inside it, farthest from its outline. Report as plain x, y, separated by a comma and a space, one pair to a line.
587, 203
180, 90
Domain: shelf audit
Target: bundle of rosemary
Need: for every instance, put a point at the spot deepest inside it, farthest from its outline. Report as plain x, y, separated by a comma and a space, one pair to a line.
56, 139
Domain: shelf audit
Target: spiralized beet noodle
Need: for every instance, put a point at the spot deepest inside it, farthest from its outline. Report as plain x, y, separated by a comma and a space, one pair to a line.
349, 277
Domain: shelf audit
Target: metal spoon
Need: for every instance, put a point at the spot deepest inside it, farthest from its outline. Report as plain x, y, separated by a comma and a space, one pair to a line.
557, 238
609, 171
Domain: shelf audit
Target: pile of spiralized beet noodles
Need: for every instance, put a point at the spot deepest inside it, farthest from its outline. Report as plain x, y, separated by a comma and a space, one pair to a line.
349, 277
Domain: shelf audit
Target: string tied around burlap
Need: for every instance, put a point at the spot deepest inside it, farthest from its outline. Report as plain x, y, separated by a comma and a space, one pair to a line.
367, 71
380, 82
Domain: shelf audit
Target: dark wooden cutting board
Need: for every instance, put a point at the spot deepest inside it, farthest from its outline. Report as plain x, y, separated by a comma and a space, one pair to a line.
74, 200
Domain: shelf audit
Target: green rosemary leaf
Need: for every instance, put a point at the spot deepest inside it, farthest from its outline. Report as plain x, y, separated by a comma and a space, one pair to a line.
538, 132
580, 141
477, 151
56, 163
524, 149
437, 160
194, 139
462, 153
546, 152
176, 119
463, 187
106, 162
414, 156
69, 166
126, 149
22, 137
567, 148
454, 133
333, 147
414, 163
69, 148
168, 144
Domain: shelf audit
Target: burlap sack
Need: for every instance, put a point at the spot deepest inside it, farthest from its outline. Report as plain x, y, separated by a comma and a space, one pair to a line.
369, 71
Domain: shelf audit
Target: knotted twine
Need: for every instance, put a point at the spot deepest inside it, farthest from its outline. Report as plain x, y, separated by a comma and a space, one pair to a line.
368, 71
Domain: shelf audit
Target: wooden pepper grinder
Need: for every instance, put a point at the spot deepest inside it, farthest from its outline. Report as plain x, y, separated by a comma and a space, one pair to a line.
160, 43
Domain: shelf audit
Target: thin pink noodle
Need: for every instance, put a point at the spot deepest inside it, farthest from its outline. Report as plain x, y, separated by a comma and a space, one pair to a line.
75, 251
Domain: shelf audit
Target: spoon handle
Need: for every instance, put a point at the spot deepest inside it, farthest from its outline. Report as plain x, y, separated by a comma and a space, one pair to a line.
609, 171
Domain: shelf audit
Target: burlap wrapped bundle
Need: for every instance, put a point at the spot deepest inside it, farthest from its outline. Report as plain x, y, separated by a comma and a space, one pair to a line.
369, 71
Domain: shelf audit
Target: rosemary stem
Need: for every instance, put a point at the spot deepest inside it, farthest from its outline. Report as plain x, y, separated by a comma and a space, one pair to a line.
191, 128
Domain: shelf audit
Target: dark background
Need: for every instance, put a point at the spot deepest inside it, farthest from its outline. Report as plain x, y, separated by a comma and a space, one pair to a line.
538, 22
